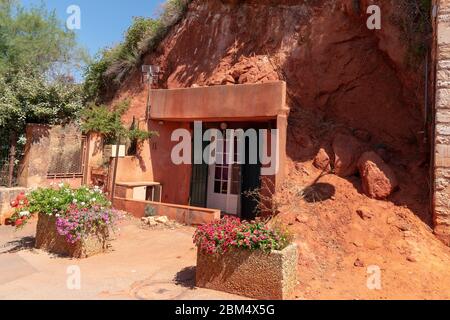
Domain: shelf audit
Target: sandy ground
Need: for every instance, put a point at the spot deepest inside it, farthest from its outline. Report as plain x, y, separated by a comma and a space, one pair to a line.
144, 264
339, 246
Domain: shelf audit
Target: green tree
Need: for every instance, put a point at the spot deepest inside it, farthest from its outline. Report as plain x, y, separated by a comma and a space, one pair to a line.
32, 99
36, 52
35, 40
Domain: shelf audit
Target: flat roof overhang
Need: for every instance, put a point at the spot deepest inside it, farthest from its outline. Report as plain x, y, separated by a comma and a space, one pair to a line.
256, 102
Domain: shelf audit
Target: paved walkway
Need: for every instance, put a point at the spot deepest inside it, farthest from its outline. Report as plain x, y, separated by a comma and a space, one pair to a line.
144, 264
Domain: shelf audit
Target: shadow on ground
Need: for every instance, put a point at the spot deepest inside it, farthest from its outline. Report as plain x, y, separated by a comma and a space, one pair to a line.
26, 243
186, 278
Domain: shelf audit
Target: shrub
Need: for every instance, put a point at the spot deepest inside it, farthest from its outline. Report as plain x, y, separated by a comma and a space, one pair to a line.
108, 122
58, 200
219, 237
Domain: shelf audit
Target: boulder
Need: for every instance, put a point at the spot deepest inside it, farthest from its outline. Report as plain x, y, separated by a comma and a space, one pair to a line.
322, 161
378, 179
347, 150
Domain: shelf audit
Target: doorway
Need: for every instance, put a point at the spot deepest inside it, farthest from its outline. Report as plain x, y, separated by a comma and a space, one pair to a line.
224, 180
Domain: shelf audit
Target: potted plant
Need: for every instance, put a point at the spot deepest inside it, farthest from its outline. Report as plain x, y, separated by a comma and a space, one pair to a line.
71, 222
246, 258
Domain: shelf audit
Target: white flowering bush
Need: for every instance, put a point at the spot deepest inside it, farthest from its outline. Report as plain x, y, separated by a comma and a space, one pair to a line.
57, 200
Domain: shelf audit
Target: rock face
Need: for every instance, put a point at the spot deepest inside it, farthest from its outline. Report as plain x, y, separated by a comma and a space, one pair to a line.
378, 179
322, 161
296, 41
347, 150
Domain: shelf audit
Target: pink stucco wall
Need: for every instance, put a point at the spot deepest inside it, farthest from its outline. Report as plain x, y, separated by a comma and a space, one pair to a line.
220, 103
154, 163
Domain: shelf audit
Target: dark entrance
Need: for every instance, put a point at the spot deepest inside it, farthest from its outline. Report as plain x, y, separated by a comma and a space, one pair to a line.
199, 183
250, 181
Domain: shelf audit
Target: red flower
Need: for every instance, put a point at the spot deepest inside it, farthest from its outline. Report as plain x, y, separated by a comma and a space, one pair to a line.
21, 197
19, 222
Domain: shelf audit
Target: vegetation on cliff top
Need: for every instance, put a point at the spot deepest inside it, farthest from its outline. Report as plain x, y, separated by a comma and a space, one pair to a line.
414, 20
112, 65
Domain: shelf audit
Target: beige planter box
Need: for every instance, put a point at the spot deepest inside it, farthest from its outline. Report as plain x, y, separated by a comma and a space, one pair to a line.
48, 239
252, 274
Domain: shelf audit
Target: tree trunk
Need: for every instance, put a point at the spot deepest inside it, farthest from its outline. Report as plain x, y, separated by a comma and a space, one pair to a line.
12, 157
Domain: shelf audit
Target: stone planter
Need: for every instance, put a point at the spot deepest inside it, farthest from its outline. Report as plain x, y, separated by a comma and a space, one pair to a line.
48, 239
252, 274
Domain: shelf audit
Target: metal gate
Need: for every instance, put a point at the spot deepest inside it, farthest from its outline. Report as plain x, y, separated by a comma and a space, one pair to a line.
68, 163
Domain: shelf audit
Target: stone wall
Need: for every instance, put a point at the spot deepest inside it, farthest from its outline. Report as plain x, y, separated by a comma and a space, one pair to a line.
442, 123
52, 154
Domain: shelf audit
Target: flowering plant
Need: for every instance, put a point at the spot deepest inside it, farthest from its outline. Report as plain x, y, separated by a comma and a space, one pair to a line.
256, 236
219, 237
78, 211
21, 214
58, 199
78, 223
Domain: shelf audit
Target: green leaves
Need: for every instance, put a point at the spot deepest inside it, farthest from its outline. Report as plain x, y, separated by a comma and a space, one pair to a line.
33, 46
56, 200
100, 119
32, 99
109, 123
34, 40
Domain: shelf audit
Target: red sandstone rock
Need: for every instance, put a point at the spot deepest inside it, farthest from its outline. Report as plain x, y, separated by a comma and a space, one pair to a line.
384, 154
378, 179
362, 135
359, 263
228, 80
365, 213
322, 160
347, 150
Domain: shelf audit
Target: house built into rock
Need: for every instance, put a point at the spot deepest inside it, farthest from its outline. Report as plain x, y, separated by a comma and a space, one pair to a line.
198, 191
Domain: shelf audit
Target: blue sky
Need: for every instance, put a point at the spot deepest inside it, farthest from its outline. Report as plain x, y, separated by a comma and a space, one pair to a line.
103, 22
